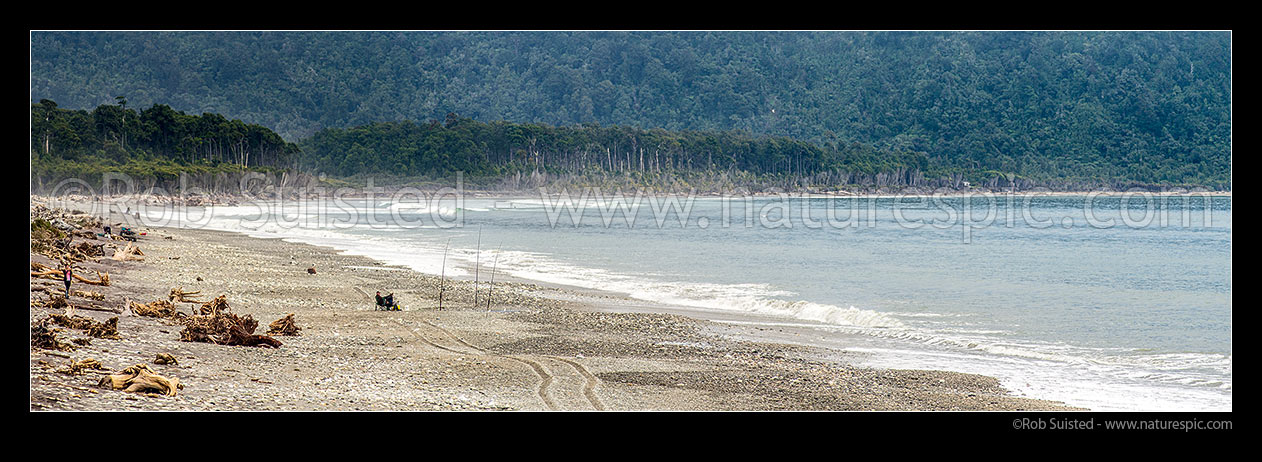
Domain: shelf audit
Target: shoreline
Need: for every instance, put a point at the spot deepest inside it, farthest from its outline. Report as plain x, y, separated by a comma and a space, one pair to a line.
540, 348
221, 199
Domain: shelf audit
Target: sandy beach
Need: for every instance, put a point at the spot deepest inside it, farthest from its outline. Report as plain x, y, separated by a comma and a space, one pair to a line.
538, 348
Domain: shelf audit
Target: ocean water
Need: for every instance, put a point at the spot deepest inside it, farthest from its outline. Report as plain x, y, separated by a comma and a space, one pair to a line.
1109, 303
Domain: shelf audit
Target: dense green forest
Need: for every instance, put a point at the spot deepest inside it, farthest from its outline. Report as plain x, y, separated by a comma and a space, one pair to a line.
1074, 107
160, 142
157, 142
500, 148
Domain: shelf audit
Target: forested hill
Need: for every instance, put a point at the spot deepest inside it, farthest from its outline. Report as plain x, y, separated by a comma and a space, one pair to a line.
154, 145
1135, 106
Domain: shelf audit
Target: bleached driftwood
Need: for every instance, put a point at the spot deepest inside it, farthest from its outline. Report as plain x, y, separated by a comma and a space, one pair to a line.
141, 379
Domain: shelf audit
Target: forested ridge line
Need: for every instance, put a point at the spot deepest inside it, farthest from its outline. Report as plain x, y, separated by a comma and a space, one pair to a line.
1069, 107
159, 143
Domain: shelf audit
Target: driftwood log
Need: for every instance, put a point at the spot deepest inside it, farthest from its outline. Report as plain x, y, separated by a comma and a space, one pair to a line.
42, 271
94, 307
141, 379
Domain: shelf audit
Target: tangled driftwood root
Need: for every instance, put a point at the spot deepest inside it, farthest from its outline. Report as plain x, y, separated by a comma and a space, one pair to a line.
225, 329
46, 338
157, 309
178, 295
141, 379
131, 252
214, 307
89, 250
107, 329
216, 325
284, 326
165, 358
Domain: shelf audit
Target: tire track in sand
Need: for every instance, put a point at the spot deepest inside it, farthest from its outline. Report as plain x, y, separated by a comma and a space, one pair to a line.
589, 388
545, 379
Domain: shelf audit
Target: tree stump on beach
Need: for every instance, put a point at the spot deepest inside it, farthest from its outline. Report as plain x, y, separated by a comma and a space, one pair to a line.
141, 379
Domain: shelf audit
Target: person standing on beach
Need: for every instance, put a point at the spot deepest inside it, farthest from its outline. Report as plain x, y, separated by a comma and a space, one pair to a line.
66, 276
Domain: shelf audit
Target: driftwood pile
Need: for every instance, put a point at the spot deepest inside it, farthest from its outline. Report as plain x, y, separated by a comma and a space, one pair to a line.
63, 219
55, 301
107, 329
284, 326
89, 250
60, 249
141, 379
158, 309
213, 323
53, 231
46, 337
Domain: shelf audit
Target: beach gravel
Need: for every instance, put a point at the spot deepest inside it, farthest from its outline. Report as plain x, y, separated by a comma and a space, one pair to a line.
538, 348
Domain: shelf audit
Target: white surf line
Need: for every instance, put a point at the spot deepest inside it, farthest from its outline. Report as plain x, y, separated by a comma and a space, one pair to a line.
381, 268
787, 324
